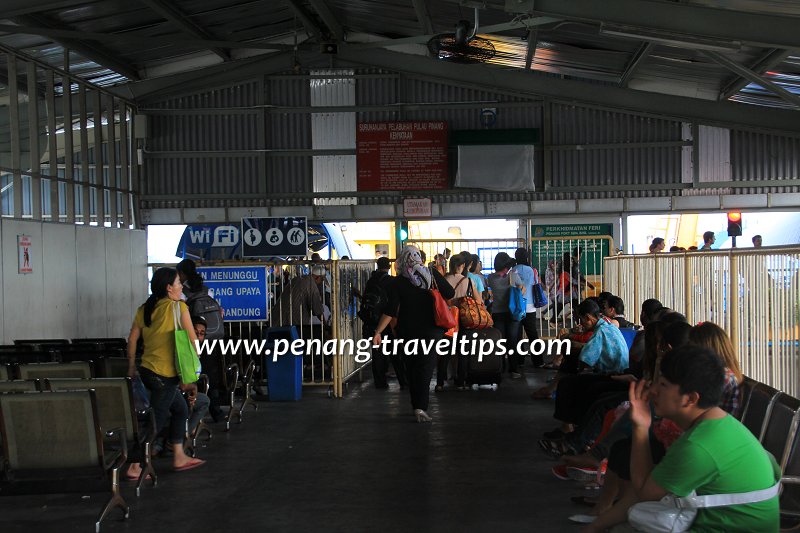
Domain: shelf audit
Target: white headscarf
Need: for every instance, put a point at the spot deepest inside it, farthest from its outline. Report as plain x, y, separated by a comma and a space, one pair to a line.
409, 265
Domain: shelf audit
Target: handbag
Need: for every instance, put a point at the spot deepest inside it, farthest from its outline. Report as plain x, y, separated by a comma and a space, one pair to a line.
672, 514
538, 294
442, 316
517, 304
186, 361
455, 312
473, 315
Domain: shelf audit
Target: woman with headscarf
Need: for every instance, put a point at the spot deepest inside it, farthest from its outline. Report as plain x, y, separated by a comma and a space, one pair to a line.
411, 302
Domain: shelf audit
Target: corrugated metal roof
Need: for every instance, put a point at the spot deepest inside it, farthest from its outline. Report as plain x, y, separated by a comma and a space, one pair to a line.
567, 48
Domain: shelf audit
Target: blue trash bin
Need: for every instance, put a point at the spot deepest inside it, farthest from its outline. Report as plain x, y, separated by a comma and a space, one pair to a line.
284, 375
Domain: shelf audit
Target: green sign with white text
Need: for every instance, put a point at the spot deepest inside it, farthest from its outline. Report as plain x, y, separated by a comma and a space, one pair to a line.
572, 230
551, 243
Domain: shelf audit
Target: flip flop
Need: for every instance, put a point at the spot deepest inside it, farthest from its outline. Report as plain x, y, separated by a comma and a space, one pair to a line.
191, 464
136, 477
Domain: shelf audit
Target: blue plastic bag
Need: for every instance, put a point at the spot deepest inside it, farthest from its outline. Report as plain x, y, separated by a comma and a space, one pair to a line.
141, 396
517, 304
539, 296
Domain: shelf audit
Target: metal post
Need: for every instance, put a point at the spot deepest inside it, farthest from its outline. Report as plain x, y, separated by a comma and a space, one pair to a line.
733, 299
687, 285
13, 118
33, 136
338, 386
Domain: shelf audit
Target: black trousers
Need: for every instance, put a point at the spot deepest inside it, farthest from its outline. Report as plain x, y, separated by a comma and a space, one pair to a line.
532, 333
619, 459
380, 365
419, 370
576, 394
460, 362
510, 329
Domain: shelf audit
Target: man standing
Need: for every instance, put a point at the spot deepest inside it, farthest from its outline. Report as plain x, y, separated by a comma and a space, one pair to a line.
757, 241
373, 304
301, 300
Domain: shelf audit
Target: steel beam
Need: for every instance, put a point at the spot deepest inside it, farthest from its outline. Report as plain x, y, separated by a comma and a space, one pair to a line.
188, 26
493, 28
772, 59
573, 91
305, 17
754, 78
423, 16
15, 8
636, 60
215, 76
95, 53
323, 10
757, 29
135, 38
533, 40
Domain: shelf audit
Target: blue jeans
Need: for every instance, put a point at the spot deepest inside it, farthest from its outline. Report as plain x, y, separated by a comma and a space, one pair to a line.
167, 403
201, 404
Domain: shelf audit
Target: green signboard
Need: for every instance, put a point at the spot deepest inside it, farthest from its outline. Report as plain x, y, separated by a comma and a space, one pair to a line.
551, 243
573, 230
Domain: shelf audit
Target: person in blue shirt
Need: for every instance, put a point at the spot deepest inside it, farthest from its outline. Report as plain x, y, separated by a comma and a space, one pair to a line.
529, 277
606, 353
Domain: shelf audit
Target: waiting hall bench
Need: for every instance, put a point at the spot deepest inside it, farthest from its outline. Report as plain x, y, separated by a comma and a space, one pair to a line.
53, 444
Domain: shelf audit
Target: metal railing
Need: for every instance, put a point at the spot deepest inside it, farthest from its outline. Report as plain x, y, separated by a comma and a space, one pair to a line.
547, 257
753, 294
344, 279
485, 249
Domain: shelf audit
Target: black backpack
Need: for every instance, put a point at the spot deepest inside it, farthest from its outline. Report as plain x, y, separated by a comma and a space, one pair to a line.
373, 302
201, 304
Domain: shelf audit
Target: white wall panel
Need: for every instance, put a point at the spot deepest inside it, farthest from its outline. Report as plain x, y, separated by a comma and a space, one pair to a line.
715, 154
140, 284
60, 270
91, 282
23, 294
118, 282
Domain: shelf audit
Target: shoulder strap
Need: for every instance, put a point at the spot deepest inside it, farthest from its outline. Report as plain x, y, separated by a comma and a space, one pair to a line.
176, 315
722, 500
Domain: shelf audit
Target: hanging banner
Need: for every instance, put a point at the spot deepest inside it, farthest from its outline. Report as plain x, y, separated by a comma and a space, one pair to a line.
394, 156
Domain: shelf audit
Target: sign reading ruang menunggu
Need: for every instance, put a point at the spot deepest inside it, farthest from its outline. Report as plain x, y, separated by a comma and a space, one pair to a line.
274, 237
240, 290
393, 156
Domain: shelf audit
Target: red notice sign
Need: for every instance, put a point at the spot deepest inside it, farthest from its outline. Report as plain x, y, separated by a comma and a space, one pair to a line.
395, 156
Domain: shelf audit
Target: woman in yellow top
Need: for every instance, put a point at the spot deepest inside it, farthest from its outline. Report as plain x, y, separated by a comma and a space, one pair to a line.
155, 324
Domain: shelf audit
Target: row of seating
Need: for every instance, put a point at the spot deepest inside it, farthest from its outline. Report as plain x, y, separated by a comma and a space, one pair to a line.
773, 416
104, 342
70, 431
102, 367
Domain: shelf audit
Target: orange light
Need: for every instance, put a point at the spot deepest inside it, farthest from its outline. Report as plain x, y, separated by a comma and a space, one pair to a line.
735, 216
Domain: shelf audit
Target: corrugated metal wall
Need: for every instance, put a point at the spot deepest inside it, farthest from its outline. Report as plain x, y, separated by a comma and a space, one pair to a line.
756, 156
274, 114
594, 167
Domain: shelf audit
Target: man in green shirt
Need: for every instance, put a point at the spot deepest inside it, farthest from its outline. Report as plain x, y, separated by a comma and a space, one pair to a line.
715, 455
